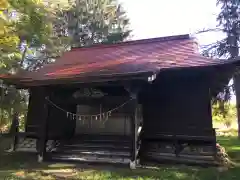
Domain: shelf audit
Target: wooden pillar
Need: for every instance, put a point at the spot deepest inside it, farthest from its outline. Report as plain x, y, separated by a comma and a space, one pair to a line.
210, 107
14, 130
134, 133
134, 90
213, 132
42, 134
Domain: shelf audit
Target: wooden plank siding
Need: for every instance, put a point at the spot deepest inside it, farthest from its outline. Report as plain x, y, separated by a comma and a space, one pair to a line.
174, 103
35, 109
119, 123
178, 103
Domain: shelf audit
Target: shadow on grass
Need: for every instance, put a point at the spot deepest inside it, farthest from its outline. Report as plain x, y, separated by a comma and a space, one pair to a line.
232, 146
24, 166
16, 165
161, 173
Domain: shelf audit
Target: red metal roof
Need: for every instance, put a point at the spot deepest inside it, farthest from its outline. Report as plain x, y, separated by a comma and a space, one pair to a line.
149, 55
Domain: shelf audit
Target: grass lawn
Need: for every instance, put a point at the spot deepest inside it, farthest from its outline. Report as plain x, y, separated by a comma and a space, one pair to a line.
24, 167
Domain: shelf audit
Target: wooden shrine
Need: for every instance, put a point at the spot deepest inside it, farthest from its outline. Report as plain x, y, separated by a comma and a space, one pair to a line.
145, 101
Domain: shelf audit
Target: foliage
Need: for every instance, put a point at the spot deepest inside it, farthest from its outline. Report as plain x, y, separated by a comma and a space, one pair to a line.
12, 100
30, 22
83, 22
8, 38
56, 42
229, 23
96, 21
225, 113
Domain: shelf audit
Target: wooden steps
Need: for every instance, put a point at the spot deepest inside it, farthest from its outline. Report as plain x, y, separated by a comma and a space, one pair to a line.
90, 159
92, 150
95, 153
93, 146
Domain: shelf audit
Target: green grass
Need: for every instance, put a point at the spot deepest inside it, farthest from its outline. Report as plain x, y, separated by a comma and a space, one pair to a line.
232, 146
22, 166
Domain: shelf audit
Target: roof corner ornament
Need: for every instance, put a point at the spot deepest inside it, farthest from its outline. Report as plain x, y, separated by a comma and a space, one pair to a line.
152, 78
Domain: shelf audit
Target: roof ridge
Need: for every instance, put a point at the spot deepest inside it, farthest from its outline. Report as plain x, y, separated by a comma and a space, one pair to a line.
133, 42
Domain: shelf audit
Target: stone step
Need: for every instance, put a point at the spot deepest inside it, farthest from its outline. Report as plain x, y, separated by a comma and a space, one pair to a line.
90, 159
100, 153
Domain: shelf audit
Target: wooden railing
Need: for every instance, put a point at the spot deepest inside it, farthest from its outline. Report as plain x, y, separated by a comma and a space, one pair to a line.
15, 134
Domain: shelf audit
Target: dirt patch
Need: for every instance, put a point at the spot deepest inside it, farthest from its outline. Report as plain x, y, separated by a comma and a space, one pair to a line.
61, 173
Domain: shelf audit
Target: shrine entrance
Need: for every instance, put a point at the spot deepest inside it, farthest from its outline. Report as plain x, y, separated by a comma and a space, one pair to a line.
100, 126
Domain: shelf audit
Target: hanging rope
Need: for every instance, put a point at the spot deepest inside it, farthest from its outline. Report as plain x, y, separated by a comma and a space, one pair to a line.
100, 115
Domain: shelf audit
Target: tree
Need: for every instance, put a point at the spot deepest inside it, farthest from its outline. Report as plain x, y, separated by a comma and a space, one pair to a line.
36, 29
57, 41
226, 117
25, 24
8, 38
96, 21
31, 23
229, 23
229, 20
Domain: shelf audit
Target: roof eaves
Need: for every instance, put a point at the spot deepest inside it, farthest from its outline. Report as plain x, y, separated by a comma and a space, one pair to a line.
143, 75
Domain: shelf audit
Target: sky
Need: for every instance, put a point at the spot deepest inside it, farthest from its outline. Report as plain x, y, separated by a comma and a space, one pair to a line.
156, 18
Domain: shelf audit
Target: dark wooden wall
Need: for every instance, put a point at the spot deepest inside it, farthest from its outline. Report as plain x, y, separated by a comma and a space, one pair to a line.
178, 102
58, 123
35, 108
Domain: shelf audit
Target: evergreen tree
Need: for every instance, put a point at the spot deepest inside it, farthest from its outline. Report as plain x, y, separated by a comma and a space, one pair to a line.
96, 21
57, 39
229, 20
229, 23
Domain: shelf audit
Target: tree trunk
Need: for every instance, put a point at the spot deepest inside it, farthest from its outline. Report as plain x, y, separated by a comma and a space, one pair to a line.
23, 55
237, 92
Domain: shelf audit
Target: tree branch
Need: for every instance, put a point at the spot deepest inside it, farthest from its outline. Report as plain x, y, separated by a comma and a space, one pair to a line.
23, 55
209, 30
